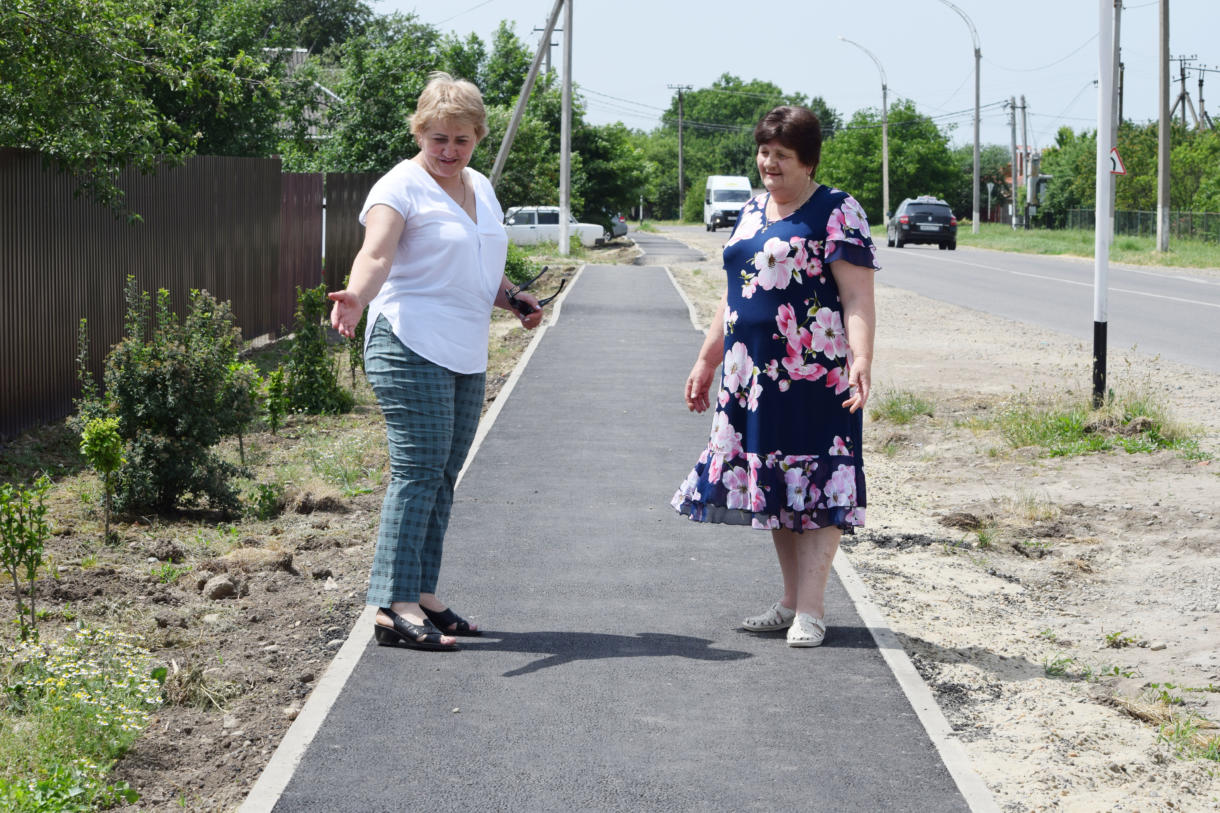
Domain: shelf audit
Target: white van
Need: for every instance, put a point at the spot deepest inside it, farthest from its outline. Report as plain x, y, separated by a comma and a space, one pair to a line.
723, 199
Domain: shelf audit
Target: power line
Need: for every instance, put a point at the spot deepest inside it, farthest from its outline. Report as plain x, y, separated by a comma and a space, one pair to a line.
1082, 46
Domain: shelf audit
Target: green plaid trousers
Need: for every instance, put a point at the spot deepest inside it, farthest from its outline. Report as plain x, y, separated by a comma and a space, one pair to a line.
431, 415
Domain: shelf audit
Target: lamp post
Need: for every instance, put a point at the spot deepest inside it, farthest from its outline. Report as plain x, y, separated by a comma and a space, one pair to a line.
978, 55
885, 127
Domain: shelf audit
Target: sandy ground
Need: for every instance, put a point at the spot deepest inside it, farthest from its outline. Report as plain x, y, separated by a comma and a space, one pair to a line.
1063, 610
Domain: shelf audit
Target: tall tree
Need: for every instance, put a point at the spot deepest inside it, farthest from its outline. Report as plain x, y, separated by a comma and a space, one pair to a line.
88, 83
921, 162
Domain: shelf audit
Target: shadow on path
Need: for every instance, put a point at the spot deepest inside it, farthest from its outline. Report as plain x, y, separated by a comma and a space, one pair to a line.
566, 647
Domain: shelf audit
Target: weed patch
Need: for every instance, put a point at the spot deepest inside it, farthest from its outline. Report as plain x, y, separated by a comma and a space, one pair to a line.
900, 407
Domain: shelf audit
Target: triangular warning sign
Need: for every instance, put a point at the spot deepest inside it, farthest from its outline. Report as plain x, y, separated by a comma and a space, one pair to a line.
1116, 163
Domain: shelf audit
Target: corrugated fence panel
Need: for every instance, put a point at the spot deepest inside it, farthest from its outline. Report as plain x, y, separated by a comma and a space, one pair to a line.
213, 223
345, 196
300, 242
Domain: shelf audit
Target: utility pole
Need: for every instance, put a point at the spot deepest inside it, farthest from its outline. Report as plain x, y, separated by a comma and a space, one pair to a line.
1025, 152
1101, 236
1162, 148
565, 135
1183, 96
1117, 106
1205, 120
549, 46
502, 156
681, 177
1012, 120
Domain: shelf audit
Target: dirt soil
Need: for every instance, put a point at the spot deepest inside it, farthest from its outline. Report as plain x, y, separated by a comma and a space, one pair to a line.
246, 614
1011, 634
1047, 602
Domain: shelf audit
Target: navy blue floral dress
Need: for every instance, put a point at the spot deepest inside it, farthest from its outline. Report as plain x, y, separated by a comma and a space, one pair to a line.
784, 452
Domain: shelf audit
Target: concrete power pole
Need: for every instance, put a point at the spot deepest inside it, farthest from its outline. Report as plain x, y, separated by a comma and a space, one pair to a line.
565, 135
1162, 150
526, 89
1025, 152
681, 175
1012, 109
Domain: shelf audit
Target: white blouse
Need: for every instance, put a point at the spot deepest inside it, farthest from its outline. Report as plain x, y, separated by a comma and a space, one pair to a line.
446, 271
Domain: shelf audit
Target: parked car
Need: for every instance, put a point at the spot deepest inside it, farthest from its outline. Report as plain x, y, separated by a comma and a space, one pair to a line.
924, 219
527, 225
617, 225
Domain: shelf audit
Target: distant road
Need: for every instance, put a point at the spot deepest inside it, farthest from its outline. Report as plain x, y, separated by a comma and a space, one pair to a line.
1171, 315
1174, 315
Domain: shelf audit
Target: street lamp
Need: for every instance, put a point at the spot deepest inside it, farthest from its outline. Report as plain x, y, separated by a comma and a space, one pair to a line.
978, 54
885, 127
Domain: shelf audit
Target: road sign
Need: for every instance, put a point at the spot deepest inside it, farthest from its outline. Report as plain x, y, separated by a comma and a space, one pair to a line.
1116, 163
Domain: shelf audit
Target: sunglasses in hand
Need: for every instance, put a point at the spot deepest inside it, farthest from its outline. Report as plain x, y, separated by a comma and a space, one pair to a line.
524, 308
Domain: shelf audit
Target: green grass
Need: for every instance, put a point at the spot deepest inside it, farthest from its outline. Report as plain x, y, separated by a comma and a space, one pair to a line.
1182, 253
900, 407
69, 710
1134, 422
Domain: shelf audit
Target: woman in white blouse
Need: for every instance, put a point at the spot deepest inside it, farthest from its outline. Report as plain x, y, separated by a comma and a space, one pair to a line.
430, 270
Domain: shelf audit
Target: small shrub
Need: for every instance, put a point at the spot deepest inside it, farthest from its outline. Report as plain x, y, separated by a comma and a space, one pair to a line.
519, 267
267, 501
102, 446
169, 385
310, 380
275, 400
23, 533
239, 400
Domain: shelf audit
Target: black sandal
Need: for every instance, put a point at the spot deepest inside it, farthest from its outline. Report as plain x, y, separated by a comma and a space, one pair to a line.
450, 623
412, 636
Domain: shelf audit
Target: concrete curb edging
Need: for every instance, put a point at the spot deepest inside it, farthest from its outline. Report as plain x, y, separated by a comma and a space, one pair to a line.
971, 785
288, 754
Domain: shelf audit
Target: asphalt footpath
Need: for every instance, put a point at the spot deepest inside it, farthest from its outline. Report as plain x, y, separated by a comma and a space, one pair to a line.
611, 675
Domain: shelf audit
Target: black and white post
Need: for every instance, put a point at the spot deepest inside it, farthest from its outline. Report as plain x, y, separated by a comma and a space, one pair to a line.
1102, 214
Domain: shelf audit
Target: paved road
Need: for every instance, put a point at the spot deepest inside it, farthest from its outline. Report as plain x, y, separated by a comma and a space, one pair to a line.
1173, 315
612, 677
660, 250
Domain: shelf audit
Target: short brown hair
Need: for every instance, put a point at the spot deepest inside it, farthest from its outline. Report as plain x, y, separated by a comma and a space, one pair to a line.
447, 99
797, 128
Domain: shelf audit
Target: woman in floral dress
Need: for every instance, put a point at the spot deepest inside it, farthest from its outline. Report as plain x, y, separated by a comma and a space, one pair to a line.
794, 332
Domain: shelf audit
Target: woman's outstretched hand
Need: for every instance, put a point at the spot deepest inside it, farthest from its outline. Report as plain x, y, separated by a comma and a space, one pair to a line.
859, 381
697, 385
345, 315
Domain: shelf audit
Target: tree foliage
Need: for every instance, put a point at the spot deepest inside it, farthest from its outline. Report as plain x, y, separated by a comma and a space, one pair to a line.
1194, 179
101, 85
921, 162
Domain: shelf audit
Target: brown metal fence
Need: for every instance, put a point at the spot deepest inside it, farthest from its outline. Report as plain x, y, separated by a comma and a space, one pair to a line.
300, 242
237, 227
213, 223
345, 195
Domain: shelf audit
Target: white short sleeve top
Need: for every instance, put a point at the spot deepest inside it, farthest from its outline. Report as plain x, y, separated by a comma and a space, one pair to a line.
446, 271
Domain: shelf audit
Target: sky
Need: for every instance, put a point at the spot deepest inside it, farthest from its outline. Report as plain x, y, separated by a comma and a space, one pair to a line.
627, 53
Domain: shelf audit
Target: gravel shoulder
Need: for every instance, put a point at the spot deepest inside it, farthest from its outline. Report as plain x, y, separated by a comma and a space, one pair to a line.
1052, 604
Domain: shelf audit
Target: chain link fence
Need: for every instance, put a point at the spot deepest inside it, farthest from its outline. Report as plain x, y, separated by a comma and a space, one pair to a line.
1196, 225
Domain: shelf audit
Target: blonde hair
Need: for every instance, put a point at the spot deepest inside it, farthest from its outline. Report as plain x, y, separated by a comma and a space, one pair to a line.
448, 99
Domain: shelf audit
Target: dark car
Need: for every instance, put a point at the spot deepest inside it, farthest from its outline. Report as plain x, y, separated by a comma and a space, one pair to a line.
616, 224
924, 219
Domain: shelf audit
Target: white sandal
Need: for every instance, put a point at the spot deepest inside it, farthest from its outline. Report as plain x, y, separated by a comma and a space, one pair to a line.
776, 618
806, 631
